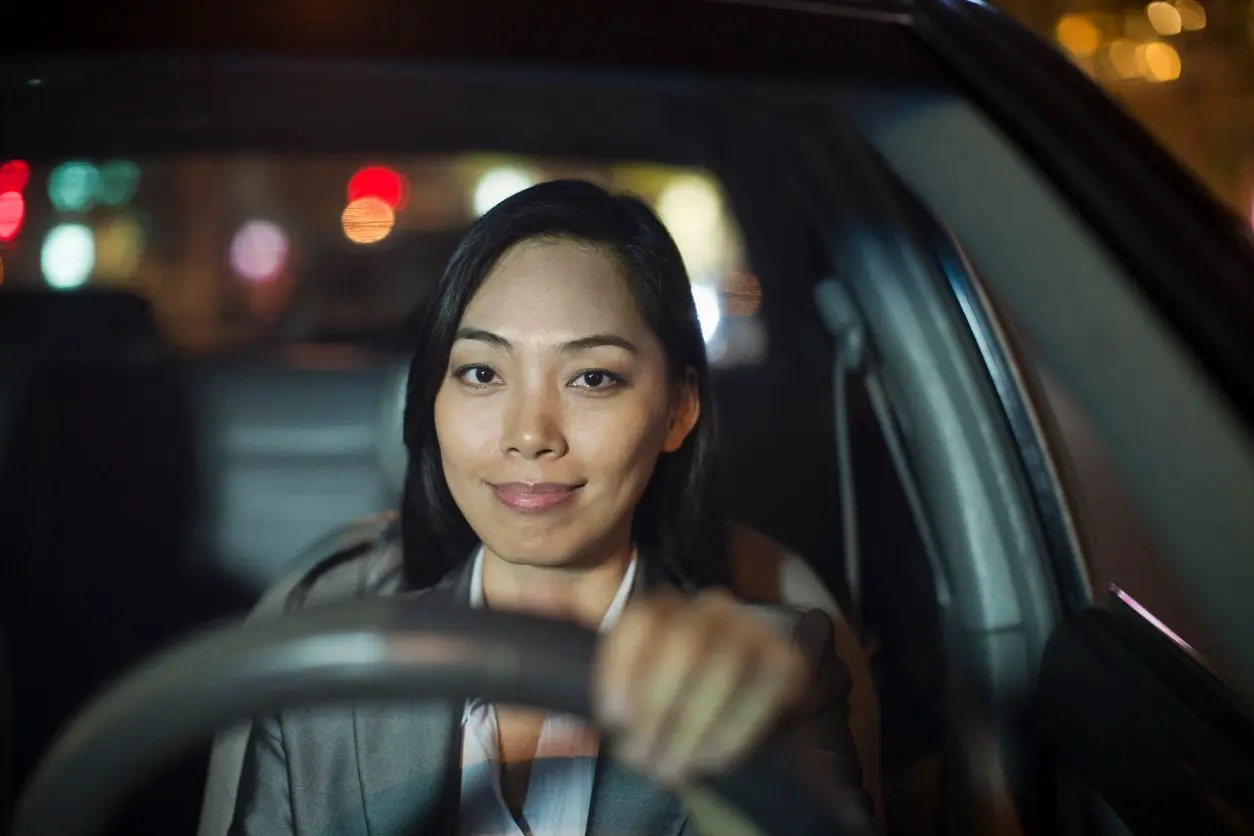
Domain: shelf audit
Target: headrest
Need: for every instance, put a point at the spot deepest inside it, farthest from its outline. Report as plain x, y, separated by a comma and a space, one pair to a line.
393, 457
91, 319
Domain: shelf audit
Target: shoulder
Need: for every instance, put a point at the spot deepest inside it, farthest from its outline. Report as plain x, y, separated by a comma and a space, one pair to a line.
780, 587
765, 570
361, 559
812, 632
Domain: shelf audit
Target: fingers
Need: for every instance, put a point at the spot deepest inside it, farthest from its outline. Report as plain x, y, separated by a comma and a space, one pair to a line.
690, 687
623, 659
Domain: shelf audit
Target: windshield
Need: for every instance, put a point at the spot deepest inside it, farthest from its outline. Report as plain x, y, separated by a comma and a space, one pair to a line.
237, 253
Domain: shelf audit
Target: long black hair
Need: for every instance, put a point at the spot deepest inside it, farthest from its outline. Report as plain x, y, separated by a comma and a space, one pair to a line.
675, 521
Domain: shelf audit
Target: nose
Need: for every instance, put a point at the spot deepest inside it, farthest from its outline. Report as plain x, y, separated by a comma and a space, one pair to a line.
533, 424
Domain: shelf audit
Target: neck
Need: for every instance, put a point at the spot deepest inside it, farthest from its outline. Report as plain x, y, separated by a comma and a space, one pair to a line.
581, 592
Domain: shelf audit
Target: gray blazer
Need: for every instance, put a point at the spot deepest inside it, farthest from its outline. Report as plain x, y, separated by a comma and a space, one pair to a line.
373, 770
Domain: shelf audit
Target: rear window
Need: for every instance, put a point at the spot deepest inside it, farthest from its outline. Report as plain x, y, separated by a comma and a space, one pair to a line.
240, 253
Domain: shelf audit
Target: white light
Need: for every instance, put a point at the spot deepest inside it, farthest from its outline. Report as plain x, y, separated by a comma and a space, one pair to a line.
258, 250
692, 209
709, 312
497, 184
68, 256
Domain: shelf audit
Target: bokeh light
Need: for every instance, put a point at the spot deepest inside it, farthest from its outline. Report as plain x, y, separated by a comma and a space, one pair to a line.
259, 251
367, 220
119, 246
499, 183
1162, 62
1192, 15
381, 182
709, 311
14, 175
692, 209
742, 294
68, 256
1078, 34
12, 213
1125, 58
1164, 17
119, 180
74, 186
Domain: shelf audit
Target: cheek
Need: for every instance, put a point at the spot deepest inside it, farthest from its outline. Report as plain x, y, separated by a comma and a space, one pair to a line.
466, 429
621, 440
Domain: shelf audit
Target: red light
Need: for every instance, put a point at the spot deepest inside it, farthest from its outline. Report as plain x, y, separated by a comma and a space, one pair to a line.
14, 175
381, 182
12, 213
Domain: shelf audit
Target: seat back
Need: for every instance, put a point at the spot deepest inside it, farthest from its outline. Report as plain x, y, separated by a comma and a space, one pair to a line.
288, 447
788, 580
6, 734
97, 507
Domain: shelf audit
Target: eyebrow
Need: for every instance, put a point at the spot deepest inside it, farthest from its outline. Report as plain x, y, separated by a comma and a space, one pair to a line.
570, 347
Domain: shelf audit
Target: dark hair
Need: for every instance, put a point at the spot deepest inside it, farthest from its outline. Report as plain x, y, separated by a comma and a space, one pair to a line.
675, 521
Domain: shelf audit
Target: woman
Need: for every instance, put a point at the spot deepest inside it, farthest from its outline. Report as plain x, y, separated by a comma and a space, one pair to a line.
561, 437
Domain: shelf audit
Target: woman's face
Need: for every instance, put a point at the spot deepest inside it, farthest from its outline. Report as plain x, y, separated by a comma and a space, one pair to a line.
556, 406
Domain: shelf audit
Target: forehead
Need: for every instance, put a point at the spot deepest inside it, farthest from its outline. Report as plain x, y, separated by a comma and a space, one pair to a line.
555, 285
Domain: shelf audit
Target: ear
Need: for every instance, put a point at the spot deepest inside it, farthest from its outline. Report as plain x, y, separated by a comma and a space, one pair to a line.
685, 410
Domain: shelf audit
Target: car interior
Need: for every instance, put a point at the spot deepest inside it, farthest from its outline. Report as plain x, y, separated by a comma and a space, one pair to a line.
894, 431
193, 483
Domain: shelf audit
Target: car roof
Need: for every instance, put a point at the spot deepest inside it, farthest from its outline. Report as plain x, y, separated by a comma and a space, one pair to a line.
608, 33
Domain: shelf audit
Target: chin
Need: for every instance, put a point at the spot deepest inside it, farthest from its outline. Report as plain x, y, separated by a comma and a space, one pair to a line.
534, 558
531, 545
519, 552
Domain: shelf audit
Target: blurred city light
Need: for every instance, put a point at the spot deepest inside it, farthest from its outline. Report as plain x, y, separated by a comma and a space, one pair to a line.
1162, 62
119, 246
1124, 58
68, 256
367, 220
259, 251
74, 186
119, 180
1192, 15
1078, 34
12, 213
497, 184
14, 175
1164, 17
709, 312
742, 294
379, 182
692, 209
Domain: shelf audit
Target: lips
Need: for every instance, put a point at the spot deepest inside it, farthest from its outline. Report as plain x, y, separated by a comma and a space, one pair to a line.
533, 498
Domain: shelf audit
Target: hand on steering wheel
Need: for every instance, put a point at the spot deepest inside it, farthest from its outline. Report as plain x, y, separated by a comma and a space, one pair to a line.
387, 648
689, 688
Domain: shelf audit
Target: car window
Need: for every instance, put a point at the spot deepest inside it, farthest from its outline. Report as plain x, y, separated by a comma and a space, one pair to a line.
236, 253
1176, 447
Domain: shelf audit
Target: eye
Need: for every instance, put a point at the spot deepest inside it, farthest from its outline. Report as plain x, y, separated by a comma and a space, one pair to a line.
598, 379
476, 376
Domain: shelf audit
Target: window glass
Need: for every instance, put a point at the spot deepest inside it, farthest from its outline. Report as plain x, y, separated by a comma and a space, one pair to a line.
241, 252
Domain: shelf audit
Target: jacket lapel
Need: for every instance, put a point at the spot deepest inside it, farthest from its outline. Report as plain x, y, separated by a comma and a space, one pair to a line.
625, 803
407, 753
408, 757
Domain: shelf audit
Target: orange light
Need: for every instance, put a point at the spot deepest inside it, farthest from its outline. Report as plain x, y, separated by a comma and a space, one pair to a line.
742, 294
367, 220
1078, 34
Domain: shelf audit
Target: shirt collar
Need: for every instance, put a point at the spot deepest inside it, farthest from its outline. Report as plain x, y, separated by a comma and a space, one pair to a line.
631, 582
617, 604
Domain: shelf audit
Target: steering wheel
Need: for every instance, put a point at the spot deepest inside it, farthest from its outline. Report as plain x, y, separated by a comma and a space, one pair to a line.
380, 649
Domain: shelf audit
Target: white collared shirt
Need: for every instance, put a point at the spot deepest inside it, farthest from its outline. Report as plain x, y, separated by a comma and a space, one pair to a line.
560, 787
